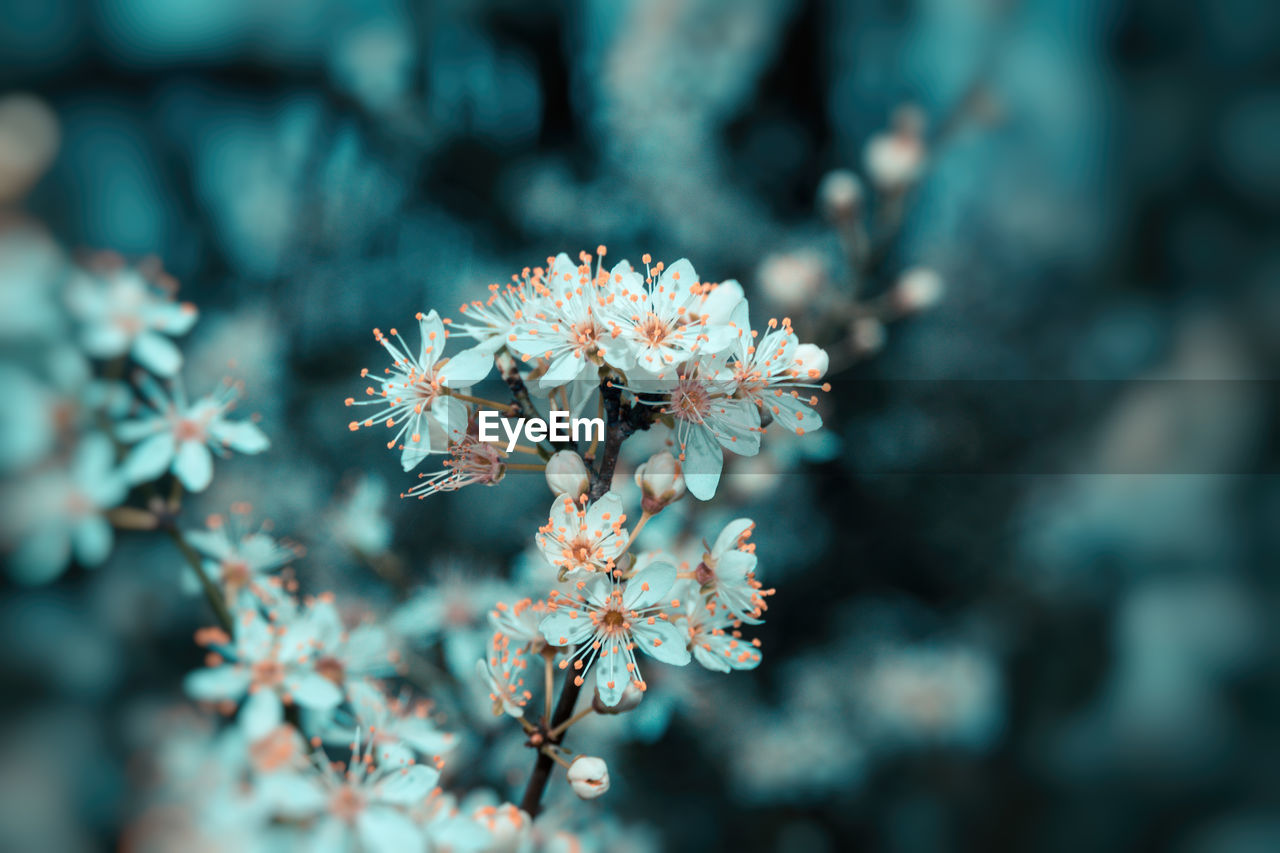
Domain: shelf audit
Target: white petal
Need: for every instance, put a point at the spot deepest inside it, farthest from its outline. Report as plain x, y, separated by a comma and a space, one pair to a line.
92, 540
728, 538
467, 368
407, 787
194, 465
702, 463
218, 683
157, 353
661, 640
432, 338
313, 690
385, 830
649, 586
241, 436
149, 459
565, 627
261, 713
564, 368
611, 669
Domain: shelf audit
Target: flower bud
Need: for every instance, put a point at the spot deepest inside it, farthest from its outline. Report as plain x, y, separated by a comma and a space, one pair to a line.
917, 289
588, 776
811, 360
895, 159
793, 279
631, 696
661, 480
839, 195
567, 474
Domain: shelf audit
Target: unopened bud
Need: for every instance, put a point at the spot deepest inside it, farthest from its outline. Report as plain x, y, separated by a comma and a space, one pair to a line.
588, 776
567, 474
811, 360
631, 696
661, 480
917, 289
793, 279
839, 195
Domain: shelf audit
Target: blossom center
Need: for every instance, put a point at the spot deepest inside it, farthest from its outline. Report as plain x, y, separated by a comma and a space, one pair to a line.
275, 750
690, 401
346, 804
187, 429
653, 331
332, 669
235, 573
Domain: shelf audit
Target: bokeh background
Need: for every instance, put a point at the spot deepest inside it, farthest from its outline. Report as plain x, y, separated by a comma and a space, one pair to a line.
1026, 574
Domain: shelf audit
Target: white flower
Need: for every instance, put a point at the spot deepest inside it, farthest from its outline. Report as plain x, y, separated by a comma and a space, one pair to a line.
581, 538
452, 612
413, 394
58, 513
347, 655
502, 671
179, 436
714, 638
567, 474
238, 558
364, 807
608, 619
777, 373
728, 572
359, 520
122, 312
588, 776
661, 481
661, 324
564, 324
267, 662
707, 417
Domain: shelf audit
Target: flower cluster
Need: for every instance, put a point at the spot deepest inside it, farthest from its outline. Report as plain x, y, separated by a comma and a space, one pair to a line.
661, 348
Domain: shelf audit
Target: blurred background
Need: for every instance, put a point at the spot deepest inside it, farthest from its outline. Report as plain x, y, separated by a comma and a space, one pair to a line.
1026, 574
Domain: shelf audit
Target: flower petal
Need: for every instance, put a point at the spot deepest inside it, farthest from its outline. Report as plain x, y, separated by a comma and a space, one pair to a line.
218, 683
662, 641
149, 459
649, 586
157, 353
194, 465
565, 626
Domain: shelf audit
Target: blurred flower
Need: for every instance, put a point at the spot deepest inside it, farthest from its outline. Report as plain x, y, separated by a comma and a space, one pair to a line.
502, 671
620, 616
57, 513
181, 437
895, 159
29, 139
268, 662
240, 559
793, 279
519, 623
399, 732
917, 289
359, 519
362, 807
588, 776
124, 310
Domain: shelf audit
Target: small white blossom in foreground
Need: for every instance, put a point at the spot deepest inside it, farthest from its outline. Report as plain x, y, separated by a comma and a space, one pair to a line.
714, 636
608, 619
588, 776
122, 312
582, 538
412, 397
182, 437
58, 513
